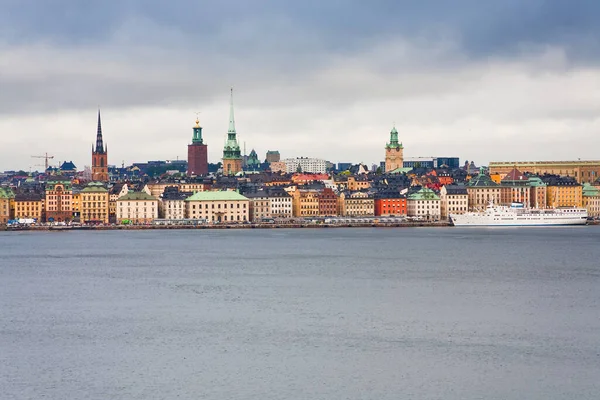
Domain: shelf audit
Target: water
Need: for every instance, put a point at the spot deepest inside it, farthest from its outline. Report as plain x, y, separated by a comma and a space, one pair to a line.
421, 313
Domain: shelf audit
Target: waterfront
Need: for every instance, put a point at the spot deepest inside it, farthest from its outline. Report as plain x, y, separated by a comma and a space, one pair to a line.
361, 313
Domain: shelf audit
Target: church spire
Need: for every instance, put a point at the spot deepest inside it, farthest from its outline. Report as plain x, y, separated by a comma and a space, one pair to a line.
99, 142
231, 118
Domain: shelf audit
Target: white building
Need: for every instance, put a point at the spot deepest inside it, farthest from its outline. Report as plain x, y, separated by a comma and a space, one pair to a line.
173, 203
425, 204
454, 199
280, 203
307, 165
137, 208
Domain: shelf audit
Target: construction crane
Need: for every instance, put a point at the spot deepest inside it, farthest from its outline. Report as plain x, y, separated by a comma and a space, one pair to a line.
46, 157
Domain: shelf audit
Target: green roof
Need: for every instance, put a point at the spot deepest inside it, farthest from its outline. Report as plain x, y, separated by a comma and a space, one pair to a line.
482, 180
589, 190
423, 194
136, 196
536, 181
400, 170
94, 187
6, 193
223, 195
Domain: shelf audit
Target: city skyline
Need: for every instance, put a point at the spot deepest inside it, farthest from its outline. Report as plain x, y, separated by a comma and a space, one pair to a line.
498, 83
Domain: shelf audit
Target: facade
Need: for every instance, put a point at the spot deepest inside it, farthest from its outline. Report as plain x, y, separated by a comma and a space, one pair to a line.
394, 152
305, 165
305, 203
360, 182
563, 192
582, 171
59, 199
138, 208
356, 204
252, 162
278, 166
99, 156
260, 205
482, 190
454, 199
280, 203
94, 203
218, 206
591, 200
424, 204
328, 202
118, 190
232, 156
539, 194
76, 202
173, 203
27, 205
197, 153
6, 201
272, 156
390, 203
515, 188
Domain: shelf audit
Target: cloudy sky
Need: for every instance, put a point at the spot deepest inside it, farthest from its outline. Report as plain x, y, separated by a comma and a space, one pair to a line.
479, 79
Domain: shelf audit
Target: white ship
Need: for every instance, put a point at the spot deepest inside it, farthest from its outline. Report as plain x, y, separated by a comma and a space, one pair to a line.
518, 215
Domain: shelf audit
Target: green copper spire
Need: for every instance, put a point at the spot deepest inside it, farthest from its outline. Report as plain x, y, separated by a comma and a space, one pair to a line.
394, 144
232, 147
197, 137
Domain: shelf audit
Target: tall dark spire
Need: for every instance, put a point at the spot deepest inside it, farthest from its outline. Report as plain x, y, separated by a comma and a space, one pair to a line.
99, 143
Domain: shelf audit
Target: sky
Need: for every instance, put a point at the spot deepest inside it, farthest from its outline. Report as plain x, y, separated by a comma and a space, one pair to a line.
483, 80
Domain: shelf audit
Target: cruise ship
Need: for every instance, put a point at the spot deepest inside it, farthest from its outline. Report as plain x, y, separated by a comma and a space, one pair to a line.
518, 215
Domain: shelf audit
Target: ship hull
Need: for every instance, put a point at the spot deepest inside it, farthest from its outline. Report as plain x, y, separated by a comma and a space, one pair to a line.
474, 220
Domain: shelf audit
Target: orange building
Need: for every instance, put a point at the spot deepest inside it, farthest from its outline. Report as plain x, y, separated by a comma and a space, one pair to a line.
59, 199
390, 203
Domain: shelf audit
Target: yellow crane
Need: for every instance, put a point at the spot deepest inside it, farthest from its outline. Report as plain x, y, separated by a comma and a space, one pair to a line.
46, 157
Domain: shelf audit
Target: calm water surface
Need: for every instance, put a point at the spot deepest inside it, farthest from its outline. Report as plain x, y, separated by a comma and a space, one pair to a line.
301, 314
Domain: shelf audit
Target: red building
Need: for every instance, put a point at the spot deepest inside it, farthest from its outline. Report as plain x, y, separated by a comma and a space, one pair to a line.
328, 201
390, 203
197, 153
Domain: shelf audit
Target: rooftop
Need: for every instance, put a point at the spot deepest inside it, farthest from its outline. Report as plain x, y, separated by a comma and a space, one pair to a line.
224, 195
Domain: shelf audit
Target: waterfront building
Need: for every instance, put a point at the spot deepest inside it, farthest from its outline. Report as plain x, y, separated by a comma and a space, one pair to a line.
94, 203
538, 192
280, 203
99, 156
76, 201
389, 203
356, 204
562, 191
328, 202
582, 171
137, 208
197, 162
218, 206
59, 199
232, 158
591, 200
394, 152
260, 205
6, 204
272, 156
454, 199
304, 165
515, 188
116, 191
173, 203
27, 205
424, 204
305, 202
482, 190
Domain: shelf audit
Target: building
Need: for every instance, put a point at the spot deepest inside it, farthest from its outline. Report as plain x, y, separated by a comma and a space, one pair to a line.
278, 166
359, 182
482, 190
138, 208
562, 191
6, 202
272, 156
328, 202
280, 203
446, 162
232, 157
305, 203
582, 171
76, 202
454, 199
197, 153
591, 200
99, 156
218, 206
260, 205
515, 188
59, 199
356, 204
305, 165
118, 190
390, 203
252, 162
27, 205
424, 204
173, 203
539, 193
94, 203
394, 152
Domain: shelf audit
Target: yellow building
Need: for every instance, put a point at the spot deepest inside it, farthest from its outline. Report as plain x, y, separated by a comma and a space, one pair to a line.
356, 204
137, 208
564, 194
454, 199
94, 203
358, 183
582, 171
6, 204
305, 203
218, 206
483, 191
28, 205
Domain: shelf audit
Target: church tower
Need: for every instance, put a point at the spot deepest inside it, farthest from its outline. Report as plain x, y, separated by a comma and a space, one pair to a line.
197, 153
232, 157
99, 156
394, 152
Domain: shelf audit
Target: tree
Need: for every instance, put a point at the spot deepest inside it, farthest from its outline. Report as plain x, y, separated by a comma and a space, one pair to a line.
379, 171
